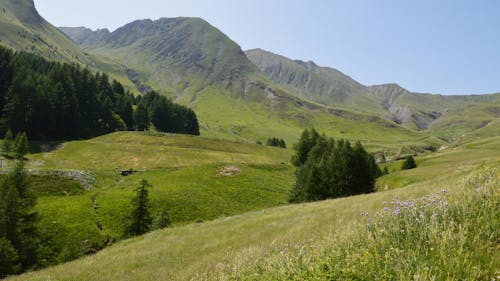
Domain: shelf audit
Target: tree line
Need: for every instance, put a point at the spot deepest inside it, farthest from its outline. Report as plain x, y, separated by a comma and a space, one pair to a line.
329, 169
51, 100
277, 142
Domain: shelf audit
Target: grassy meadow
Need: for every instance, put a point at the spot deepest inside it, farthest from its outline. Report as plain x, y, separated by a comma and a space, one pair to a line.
228, 204
455, 239
196, 179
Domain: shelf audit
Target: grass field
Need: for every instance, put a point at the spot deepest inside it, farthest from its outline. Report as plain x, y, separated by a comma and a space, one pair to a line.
196, 179
289, 242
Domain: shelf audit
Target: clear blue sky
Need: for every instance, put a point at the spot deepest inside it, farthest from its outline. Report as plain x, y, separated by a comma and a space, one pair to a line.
437, 46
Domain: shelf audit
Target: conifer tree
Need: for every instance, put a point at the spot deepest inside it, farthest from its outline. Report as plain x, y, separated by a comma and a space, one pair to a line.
163, 219
8, 142
409, 163
17, 215
9, 259
140, 218
21, 146
141, 118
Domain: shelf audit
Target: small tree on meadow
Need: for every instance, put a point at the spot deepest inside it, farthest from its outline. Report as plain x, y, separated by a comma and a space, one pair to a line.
140, 218
8, 142
409, 163
21, 146
163, 219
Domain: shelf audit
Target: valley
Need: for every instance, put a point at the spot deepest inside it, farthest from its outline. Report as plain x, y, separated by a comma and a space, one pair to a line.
176, 103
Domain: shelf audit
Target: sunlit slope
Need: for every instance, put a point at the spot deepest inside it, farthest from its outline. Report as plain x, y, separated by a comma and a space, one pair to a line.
194, 178
220, 249
22, 28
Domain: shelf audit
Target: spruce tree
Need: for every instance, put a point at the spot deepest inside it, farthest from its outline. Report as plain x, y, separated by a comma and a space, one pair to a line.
163, 219
21, 146
18, 217
141, 118
8, 142
9, 259
409, 163
140, 218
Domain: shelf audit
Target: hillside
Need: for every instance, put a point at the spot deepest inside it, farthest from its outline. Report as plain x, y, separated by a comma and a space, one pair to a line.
197, 65
297, 240
24, 29
413, 110
196, 179
324, 85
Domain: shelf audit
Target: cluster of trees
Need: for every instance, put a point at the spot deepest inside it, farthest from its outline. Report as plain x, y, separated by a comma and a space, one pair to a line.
276, 142
50, 100
328, 169
19, 239
165, 115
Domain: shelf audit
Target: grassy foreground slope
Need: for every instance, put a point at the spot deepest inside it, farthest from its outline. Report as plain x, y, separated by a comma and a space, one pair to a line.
306, 241
194, 178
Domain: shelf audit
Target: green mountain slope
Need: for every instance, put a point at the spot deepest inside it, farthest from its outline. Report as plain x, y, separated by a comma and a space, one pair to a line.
324, 85
23, 29
197, 65
390, 101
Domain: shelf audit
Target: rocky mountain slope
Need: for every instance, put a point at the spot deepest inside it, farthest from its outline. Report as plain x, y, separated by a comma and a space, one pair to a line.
333, 88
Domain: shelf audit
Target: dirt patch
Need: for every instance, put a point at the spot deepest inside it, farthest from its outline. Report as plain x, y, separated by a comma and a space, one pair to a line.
229, 171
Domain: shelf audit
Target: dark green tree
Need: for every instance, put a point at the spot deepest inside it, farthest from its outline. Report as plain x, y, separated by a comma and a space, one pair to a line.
140, 218
8, 142
21, 146
18, 217
9, 259
306, 142
409, 163
163, 219
141, 117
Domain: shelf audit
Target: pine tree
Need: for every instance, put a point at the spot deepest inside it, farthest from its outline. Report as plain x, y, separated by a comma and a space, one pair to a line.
306, 142
140, 217
8, 142
18, 217
141, 118
163, 219
409, 163
9, 259
21, 146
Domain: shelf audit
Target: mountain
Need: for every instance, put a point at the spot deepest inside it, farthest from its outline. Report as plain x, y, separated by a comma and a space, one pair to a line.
324, 85
445, 116
167, 53
197, 65
23, 29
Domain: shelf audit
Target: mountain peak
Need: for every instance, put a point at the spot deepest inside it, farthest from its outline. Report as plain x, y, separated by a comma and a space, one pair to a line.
24, 11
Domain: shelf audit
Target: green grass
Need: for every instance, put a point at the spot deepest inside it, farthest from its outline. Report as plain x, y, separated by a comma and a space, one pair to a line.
291, 242
186, 173
433, 165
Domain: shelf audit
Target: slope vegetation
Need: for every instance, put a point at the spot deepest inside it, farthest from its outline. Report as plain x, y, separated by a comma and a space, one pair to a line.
445, 116
292, 241
23, 29
193, 178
